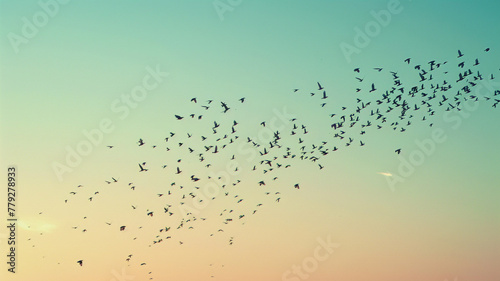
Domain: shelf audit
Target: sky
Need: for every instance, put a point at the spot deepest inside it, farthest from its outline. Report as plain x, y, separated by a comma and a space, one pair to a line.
79, 76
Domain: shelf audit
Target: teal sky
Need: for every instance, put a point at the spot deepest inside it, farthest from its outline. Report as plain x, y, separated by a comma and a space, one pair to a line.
74, 71
89, 54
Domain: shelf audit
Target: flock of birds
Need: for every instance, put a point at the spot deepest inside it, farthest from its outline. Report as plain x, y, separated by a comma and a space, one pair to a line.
396, 104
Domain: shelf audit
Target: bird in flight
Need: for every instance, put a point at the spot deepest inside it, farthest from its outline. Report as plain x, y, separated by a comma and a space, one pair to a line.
224, 105
142, 168
397, 97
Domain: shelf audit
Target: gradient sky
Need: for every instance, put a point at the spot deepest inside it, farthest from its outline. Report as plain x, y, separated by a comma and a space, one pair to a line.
441, 223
